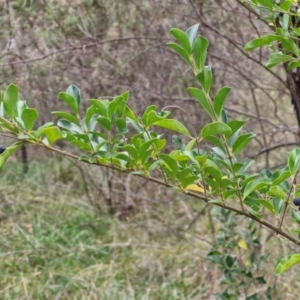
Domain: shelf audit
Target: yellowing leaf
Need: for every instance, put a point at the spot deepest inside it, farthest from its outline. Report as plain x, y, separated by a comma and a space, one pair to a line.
195, 187
243, 244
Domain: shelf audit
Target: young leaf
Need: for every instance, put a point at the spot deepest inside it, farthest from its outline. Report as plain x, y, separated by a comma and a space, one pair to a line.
29, 115
200, 52
220, 98
201, 97
287, 263
10, 100
214, 129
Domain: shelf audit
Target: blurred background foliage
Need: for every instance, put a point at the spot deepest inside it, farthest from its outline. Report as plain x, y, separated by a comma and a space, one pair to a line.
106, 47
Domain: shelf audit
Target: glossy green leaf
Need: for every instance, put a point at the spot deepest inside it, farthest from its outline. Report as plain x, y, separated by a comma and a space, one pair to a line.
214, 129
74, 91
265, 3
192, 34
241, 142
205, 79
154, 116
280, 176
8, 152
267, 205
113, 105
71, 127
202, 99
65, 115
277, 191
180, 51
170, 163
200, 52
29, 116
10, 100
183, 39
105, 123
255, 185
294, 160
286, 5
286, 263
293, 65
52, 134
235, 125
174, 125
277, 204
220, 99
70, 101
277, 58
262, 41
83, 146
100, 106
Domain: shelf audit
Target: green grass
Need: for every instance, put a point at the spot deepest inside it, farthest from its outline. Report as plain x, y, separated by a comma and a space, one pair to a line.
53, 245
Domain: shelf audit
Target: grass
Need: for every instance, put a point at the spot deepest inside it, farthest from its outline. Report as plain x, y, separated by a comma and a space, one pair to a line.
53, 245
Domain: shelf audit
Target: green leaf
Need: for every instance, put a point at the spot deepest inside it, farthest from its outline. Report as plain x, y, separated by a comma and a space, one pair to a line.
266, 3
113, 105
202, 99
132, 151
52, 134
296, 216
74, 91
287, 263
174, 125
73, 128
192, 34
267, 205
280, 176
216, 141
105, 123
293, 65
154, 116
183, 39
10, 100
215, 128
220, 99
8, 152
180, 51
70, 101
235, 125
277, 58
241, 142
65, 115
277, 204
262, 41
277, 191
286, 5
100, 105
29, 115
294, 160
170, 163
255, 185
200, 52
83, 146
205, 79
